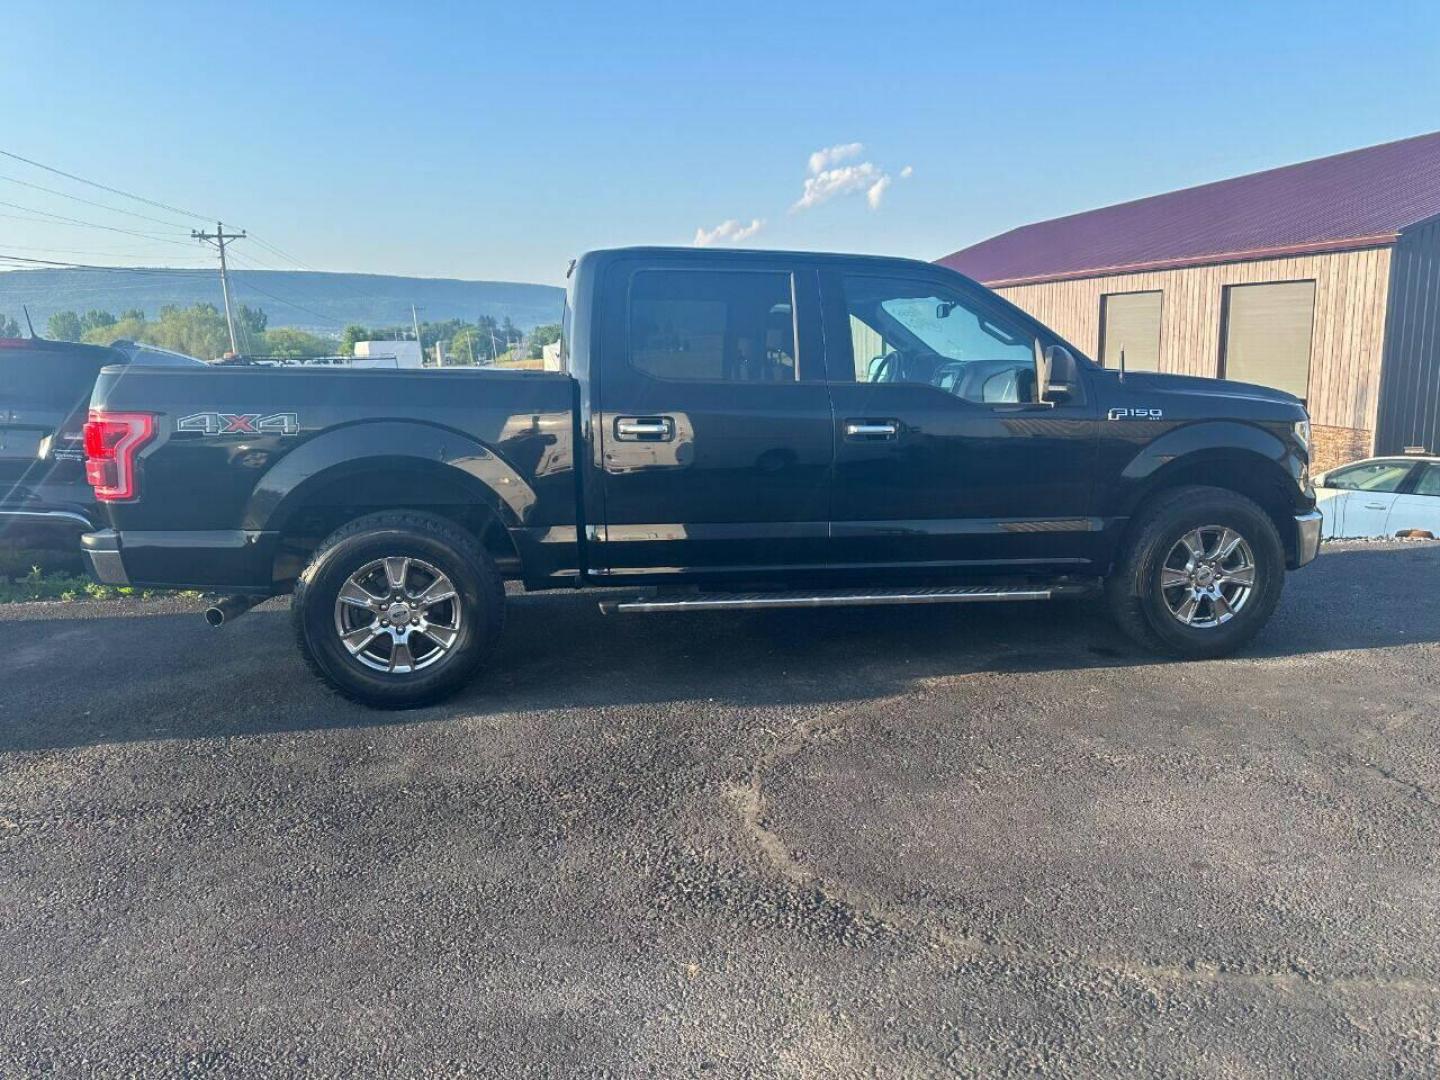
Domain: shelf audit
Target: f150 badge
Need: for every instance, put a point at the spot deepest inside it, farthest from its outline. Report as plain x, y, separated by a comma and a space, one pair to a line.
221, 423
1136, 414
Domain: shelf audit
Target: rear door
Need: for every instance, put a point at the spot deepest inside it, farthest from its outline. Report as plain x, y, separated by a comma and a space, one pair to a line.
713, 420
1418, 506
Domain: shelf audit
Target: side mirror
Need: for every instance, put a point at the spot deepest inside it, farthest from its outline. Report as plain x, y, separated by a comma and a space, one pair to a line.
1058, 374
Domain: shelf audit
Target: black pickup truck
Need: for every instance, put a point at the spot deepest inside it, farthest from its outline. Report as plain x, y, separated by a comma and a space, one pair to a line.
730, 430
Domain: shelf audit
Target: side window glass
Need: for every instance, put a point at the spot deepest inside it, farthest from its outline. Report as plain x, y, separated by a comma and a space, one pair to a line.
912, 332
1429, 481
1378, 476
729, 326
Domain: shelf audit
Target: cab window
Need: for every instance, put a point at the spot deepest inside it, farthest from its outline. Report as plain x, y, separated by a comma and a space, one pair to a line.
732, 326
904, 331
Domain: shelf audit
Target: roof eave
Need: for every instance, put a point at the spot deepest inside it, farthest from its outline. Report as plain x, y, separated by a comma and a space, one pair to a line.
1321, 247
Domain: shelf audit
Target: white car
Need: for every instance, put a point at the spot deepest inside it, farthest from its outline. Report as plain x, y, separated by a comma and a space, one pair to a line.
1380, 497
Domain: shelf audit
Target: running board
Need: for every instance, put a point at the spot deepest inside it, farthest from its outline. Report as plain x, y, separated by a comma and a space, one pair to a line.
957, 594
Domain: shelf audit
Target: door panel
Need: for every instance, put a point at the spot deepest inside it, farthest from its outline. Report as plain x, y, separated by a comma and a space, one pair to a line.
943, 458
716, 447
1366, 513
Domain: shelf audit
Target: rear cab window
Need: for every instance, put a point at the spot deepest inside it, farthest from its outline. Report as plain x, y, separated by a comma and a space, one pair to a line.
49, 378
712, 326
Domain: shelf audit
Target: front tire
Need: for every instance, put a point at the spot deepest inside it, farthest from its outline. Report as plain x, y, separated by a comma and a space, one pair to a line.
1200, 573
398, 609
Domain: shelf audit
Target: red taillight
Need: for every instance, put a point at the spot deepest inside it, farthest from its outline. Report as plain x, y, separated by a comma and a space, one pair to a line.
112, 441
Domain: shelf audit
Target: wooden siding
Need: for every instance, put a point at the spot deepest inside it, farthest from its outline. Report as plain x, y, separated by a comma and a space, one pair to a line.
1345, 350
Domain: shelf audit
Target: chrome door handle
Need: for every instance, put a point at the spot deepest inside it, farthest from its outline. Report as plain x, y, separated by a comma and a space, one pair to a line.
644, 428
871, 429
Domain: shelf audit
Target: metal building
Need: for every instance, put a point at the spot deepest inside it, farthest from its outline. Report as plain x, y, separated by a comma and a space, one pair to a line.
1321, 278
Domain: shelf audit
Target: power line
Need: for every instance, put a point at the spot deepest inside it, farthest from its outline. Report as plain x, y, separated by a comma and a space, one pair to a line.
64, 220
283, 254
289, 303
88, 251
106, 187
157, 270
89, 202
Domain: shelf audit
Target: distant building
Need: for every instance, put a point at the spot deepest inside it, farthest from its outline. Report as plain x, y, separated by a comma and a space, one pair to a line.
1321, 278
387, 354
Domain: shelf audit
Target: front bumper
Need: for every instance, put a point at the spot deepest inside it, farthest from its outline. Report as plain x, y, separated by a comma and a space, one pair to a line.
1307, 537
238, 560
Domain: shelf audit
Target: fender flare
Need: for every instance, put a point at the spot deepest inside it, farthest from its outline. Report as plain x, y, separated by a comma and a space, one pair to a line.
1218, 441
359, 448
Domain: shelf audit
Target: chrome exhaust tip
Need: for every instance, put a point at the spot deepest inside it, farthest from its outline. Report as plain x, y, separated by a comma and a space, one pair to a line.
230, 608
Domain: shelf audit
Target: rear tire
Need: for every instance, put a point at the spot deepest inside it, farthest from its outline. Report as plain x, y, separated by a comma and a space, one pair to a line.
398, 609
1199, 575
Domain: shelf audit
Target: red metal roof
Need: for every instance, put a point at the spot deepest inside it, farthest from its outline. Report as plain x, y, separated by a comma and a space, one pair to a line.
1361, 198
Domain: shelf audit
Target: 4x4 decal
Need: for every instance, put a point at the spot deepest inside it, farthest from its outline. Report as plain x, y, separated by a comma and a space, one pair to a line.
219, 423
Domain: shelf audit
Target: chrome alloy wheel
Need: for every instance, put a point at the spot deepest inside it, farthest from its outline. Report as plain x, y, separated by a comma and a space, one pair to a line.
1208, 576
398, 615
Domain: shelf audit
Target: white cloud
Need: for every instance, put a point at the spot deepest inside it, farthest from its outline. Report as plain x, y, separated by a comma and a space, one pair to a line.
829, 179
728, 232
827, 184
821, 160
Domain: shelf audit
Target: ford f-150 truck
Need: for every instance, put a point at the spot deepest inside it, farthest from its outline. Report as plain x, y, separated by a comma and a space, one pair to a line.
730, 430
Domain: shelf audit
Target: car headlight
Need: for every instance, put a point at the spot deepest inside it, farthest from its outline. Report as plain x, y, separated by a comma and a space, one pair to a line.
1302, 433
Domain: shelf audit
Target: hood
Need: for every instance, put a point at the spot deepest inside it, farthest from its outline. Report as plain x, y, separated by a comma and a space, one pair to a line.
1199, 386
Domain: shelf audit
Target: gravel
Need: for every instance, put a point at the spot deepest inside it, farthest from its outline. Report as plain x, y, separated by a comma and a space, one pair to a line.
906, 841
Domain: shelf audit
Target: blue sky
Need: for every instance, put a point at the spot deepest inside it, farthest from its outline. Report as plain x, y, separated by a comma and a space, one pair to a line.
496, 141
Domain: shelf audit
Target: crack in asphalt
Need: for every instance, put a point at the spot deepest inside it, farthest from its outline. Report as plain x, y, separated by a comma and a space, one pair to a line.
1417, 791
750, 804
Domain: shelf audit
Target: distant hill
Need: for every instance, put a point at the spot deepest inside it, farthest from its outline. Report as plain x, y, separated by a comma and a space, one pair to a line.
318, 302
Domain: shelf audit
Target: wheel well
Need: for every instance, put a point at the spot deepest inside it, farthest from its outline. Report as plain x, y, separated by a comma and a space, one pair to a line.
1257, 478
354, 495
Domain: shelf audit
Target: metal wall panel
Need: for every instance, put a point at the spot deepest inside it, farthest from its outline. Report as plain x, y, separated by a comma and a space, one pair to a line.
1410, 390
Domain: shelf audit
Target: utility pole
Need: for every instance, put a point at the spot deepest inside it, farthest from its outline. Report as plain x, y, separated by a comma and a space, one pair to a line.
415, 321
218, 238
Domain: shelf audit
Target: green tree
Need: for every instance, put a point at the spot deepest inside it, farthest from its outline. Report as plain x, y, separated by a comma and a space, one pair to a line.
9, 328
288, 342
131, 327
542, 336
252, 319
353, 333
95, 320
132, 313
64, 326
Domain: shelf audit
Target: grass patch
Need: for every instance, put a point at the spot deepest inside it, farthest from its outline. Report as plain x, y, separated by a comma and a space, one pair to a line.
41, 584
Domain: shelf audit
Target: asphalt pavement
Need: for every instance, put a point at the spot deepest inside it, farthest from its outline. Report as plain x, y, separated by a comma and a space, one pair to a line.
980, 841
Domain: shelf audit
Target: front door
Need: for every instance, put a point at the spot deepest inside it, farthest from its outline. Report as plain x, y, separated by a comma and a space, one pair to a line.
1368, 491
945, 460
714, 422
